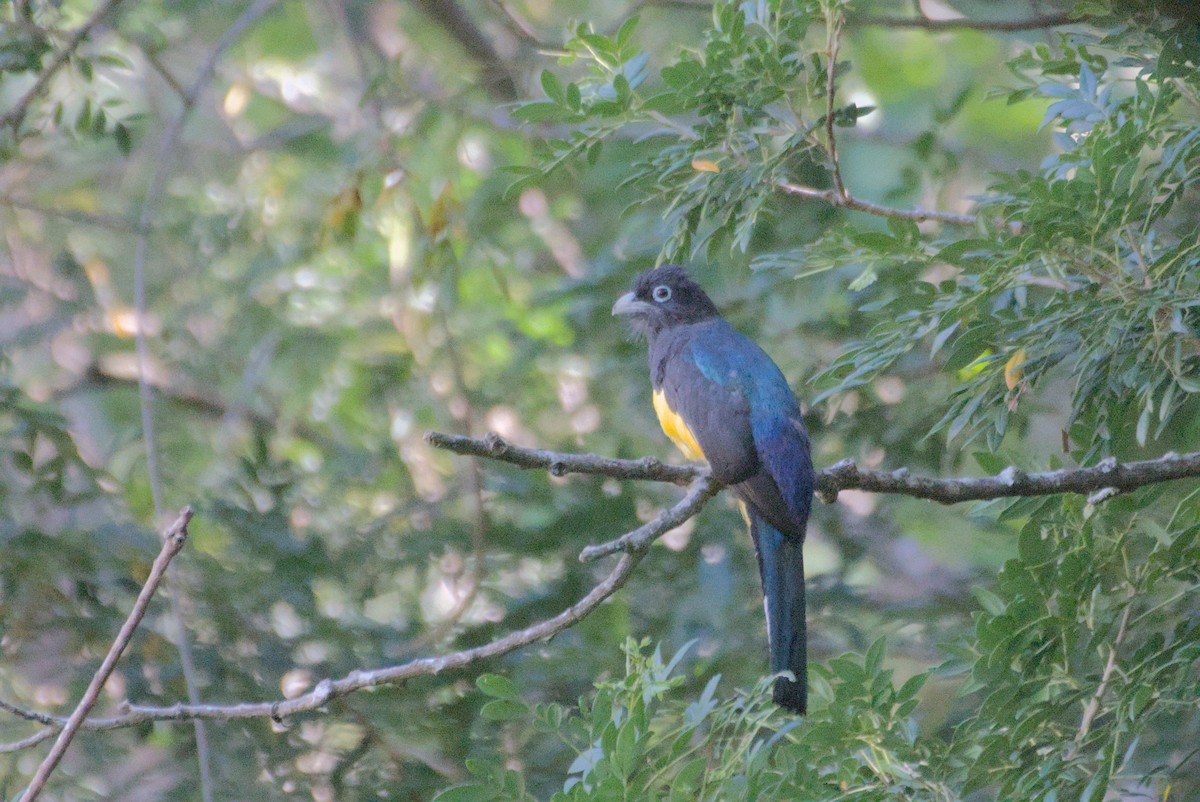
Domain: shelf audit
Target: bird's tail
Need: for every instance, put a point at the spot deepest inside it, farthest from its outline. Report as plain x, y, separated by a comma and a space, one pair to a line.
781, 566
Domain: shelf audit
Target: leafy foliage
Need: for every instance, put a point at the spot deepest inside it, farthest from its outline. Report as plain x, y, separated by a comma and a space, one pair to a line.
1070, 667
340, 260
635, 739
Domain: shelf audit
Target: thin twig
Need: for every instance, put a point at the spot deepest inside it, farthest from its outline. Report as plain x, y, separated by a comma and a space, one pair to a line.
846, 475
158, 178
496, 76
1093, 706
173, 542
839, 196
479, 519
27, 743
855, 204
16, 115
963, 23
704, 488
833, 43
328, 689
110, 222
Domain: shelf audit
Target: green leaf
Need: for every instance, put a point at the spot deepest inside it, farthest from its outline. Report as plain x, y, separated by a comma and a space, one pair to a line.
988, 600
540, 112
991, 463
468, 793
503, 710
874, 658
121, 135
911, 687
1143, 423
625, 33
553, 87
625, 750
498, 686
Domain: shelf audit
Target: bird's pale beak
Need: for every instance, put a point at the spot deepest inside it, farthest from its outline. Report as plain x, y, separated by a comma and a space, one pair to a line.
628, 304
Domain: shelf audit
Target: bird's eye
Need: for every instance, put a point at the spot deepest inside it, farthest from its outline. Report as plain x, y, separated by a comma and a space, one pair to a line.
662, 293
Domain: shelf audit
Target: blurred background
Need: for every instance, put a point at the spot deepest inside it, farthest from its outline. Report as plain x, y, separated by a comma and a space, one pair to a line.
335, 262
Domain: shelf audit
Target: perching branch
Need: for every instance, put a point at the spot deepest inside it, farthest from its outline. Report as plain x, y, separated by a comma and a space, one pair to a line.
16, 115
557, 463
842, 476
846, 475
173, 542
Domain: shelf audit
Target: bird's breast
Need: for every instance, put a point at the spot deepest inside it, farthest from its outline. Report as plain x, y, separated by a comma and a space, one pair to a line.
674, 427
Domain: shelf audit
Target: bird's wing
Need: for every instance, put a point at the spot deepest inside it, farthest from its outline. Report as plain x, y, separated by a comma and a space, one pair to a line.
781, 442
702, 403
782, 484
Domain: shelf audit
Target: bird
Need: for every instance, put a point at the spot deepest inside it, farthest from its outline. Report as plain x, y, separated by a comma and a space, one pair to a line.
721, 399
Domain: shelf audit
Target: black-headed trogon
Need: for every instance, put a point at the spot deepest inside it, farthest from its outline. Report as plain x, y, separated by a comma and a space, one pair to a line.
720, 398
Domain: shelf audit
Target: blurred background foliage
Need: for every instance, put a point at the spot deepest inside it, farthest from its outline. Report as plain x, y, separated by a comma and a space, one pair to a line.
381, 218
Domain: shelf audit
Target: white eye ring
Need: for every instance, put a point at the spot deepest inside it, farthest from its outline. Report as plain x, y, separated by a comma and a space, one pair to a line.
662, 293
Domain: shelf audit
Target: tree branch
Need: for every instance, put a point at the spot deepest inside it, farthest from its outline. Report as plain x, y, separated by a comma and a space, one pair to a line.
846, 475
496, 76
173, 542
31, 741
833, 43
110, 222
635, 545
848, 201
557, 463
839, 196
158, 178
637, 541
962, 23
1093, 705
16, 115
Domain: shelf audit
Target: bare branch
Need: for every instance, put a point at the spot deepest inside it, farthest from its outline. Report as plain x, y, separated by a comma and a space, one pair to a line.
326, 690
26, 743
839, 196
855, 204
173, 542
495, 74
704, 488
557, 463
1011, 482
833, 43
962, 23
518, 25
634, 544
110, 222
1093, 705
846, 475
158, 178
16, 115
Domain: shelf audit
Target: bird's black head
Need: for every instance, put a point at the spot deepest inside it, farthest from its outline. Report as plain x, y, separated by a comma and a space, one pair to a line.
663, 297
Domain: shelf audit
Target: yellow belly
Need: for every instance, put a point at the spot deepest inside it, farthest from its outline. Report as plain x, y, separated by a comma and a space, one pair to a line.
674, 428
